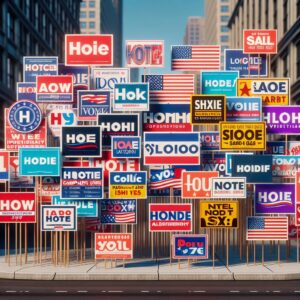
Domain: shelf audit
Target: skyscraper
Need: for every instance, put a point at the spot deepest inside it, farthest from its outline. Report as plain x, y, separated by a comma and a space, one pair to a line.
195, 31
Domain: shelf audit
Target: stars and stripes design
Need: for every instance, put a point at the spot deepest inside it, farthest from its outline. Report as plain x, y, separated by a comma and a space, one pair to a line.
93, 99
170, 88
267, 228
193, 58
158, 183
114, 217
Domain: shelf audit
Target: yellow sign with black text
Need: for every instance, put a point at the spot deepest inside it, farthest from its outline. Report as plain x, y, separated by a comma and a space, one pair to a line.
246, 136
219, 214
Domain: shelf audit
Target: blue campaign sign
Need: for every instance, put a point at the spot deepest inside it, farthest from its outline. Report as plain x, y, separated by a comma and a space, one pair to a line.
26, 91
92, 103
277, 147
85, 208
82, 183
246, 64
131, 97
219, 82
39, 65
126, 147
228, 161
256, 168
213, 162
243, 109
39, 161
190, 246
210, 141
118, 211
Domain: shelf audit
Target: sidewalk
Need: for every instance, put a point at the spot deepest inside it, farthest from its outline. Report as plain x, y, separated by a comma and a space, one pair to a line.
161, 269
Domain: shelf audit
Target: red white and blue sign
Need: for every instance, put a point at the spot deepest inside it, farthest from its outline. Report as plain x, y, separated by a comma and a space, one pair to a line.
39, 65
167, 117
277, 147
210, 140
118, 125
118, 211
81, 141
4, 165
276, 198
26, 91
213, 162
170, 217
82, 183
190, 246
171, 148
85, 208
126, 147
246, 64
166, 178
24, 116
92, 103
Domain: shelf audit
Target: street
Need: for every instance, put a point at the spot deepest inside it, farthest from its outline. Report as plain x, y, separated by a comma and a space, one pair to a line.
12, 289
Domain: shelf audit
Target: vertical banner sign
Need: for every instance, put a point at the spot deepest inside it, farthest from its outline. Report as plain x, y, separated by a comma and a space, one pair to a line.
128, 185
218, 82
197, 184
131, 97
126, 146
277, 198
273, 91
85, 208
81, 141
118, 211
210, 141
39, 161
243, 136
58, 218
171, 148
17, 208
82, 183
247, 65
256, 168
167, 117
4, 165
260, 41
207, 109
26, 91
113, 246
34, 66
54, 88
243, 109
219, 214
106, 78
144, 53
229, 187
118, 124
282, 120
190, 246
92, 103
167, 217
87, 50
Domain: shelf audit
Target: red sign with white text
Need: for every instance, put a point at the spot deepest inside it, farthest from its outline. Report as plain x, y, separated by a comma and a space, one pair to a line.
84, 49
14, 139
17, 208
297, 215
260, 41
113, 246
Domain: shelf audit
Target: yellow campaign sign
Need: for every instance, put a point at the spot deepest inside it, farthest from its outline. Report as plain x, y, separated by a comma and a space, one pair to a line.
219, 214
126, 191
238, 136
272, 91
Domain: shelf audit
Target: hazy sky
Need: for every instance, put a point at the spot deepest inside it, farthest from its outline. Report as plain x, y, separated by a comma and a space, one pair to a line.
160, 20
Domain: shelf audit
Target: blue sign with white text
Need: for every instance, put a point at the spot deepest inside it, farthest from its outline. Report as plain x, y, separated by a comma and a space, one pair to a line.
126, 147
39, 161
26, 91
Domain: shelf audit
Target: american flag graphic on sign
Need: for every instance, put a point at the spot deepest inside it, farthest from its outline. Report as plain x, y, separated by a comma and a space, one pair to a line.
93, 99
118, 218
170, 88
193, 58
267, 228
167, 178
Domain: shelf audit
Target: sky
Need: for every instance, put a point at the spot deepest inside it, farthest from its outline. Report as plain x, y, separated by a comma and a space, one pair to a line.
159, 20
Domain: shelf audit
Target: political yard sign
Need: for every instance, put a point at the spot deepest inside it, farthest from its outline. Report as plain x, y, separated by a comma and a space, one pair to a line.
126, 146
232, 187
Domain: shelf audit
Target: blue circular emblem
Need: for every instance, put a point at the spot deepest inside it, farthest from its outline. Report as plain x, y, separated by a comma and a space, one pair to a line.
25, 116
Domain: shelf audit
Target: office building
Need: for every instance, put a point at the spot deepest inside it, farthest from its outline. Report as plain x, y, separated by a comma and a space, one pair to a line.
195, 31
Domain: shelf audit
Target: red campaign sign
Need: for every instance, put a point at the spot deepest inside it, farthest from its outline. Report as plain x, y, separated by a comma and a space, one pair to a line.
17, 208
84, 49
260, 41
50, 187
297, 215
170, 217
293, 230
4, 166
14, 139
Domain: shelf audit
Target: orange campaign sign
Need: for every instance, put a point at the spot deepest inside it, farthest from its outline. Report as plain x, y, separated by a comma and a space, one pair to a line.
197, 184
260, 41
113, 246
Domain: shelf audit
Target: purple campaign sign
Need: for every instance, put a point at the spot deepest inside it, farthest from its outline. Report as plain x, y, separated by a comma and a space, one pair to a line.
282, 119
275, 198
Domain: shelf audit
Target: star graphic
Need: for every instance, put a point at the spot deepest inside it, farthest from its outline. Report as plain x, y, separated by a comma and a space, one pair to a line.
245, 90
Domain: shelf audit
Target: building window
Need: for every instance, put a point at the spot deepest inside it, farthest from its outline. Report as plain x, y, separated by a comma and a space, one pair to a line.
253, 14
275, 13
267, 14
285, 16
92, 4
224, 28
82, 24
224, 18
259, 14
10, 26
92, 14
298, 60
83, 4
224, 8
224, 38
92, 25
274, 69
285, 65
10, 73
82, 14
